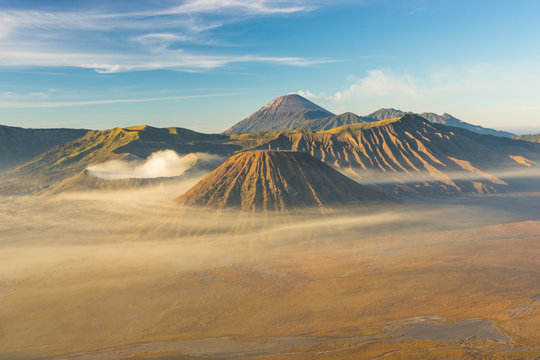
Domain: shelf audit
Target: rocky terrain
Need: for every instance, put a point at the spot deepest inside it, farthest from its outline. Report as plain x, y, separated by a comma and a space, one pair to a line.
277, 180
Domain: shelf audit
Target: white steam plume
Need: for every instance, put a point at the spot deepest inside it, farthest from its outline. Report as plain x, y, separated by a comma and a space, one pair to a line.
164, 163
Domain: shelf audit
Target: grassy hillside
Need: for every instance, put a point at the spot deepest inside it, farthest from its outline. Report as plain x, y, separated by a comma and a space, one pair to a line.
74, 157
529, 137
332, 122
18, 145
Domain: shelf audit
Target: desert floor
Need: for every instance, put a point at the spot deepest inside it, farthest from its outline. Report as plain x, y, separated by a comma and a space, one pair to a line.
453, 278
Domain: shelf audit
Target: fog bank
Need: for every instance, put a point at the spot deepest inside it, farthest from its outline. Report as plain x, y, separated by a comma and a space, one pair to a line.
164, 163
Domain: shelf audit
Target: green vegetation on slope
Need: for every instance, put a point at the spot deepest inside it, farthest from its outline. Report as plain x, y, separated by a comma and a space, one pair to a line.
18, 145
74, 157
529, 137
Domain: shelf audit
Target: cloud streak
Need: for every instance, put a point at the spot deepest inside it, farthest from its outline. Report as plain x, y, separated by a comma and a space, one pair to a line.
179, 60
58, 104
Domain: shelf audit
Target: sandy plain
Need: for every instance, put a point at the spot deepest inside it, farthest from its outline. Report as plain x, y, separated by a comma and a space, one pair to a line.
455, 278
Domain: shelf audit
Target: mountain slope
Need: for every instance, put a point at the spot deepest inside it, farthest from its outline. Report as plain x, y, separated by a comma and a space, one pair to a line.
529, 137
95, 147
284, 112
89, 180
331, 122
449, 120
18, 145
385, 114
276, 180
411, 150
444, 119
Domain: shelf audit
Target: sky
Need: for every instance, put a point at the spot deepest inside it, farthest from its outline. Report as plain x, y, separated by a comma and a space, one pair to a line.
207, 64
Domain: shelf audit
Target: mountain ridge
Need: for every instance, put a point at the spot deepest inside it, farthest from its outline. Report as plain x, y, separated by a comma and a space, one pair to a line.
444, 119
293, 112
96, 147
399, 150
18, 145
528, 137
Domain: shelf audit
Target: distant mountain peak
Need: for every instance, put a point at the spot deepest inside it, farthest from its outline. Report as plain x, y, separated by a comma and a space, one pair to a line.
444, 119
283, 113
291, 103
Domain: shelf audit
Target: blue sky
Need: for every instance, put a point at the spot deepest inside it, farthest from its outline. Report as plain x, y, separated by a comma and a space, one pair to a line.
206, 64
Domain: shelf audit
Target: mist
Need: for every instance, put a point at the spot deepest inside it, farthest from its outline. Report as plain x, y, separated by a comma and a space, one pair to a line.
87, 274
163, 163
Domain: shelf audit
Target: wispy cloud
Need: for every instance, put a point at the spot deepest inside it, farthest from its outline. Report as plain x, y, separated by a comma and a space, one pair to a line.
182, 14
161, 38
58, 104
416, 11
166, 59
144, 37
245, 6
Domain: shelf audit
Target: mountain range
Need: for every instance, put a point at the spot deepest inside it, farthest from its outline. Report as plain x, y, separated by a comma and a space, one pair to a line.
405, 155
410, 153
444, 119
294, 112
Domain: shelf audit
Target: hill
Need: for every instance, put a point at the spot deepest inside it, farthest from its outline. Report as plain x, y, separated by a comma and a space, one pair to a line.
277, 180
529, 137
18, 145
444, 119
192, 166
284, 112
95, 147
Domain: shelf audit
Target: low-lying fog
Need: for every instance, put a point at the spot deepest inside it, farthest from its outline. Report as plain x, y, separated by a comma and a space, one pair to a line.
164, 163
88, 271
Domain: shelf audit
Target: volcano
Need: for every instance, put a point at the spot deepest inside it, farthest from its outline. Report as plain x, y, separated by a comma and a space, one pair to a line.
284, 112
277, 180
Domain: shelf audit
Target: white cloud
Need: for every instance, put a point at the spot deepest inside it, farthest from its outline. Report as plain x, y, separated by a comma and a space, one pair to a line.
308, 95
492, 95
246, 6
183, 15
164, 163
379, 83
382, 84
161, 38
